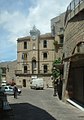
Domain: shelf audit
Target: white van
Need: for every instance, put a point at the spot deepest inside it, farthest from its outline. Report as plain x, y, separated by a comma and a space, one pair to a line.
37, 83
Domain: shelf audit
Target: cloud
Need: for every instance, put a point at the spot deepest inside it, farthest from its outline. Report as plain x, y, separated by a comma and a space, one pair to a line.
18, 23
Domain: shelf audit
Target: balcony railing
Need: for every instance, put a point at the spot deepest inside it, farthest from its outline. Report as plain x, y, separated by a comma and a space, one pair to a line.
19, 72
72, 7
22, 72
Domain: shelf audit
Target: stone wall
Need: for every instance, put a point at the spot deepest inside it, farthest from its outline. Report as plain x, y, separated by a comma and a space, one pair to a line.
74, 33
10, 69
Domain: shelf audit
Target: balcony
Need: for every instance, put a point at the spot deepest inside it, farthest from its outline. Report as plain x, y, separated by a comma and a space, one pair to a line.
74, 8
20, 72
57, 45
28, 72
47, 72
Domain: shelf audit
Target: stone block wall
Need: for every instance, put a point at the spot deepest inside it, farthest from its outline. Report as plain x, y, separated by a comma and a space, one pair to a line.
74, 33
10, 70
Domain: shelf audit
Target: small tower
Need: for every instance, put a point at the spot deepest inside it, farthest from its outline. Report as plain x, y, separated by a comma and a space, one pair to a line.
34, 33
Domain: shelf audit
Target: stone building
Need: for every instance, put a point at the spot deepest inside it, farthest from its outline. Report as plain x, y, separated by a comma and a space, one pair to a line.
35, 55
57, 31
73, 52
8, 71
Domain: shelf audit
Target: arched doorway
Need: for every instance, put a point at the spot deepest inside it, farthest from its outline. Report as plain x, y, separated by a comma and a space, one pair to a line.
33, 65
24, 83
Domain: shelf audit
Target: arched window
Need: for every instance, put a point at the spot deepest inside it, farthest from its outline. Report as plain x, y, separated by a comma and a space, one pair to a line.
34, 47
33, 65
24, 56
79, 48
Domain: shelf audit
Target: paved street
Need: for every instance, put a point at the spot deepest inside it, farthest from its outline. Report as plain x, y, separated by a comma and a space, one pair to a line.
41, 105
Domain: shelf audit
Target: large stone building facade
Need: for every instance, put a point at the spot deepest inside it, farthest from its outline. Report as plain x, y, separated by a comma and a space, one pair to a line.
73, 52
35, 55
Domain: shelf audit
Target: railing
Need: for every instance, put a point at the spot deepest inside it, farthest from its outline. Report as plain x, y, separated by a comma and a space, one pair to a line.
28, 72
22, 72
47, 72
72, 6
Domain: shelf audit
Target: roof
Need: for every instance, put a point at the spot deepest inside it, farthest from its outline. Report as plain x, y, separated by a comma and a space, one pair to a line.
46, 35
43, 36
24, 38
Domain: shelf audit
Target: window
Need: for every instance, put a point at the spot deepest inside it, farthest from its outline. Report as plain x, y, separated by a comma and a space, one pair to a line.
61, 39
33, 65
25, 45
10, 88
25, 69
53, 30
45, 69
45, 43
45, 55
61, 29
24, 56
6, 88
34, 46
3, 70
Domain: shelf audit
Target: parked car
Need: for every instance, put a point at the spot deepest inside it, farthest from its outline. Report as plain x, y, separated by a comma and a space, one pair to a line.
9, 90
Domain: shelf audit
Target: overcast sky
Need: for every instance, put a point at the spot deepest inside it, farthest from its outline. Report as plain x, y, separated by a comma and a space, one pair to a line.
17, 17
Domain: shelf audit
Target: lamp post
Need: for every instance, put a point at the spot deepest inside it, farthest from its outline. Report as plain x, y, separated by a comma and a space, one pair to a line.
54, 89
54, 83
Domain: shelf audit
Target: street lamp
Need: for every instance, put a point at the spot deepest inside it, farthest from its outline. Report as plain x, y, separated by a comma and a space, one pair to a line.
54, 83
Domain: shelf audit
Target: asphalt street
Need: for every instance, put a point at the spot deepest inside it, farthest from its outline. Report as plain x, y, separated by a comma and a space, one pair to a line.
42, 105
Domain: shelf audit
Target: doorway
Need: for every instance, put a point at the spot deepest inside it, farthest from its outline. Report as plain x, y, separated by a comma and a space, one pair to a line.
76, 81
33, 66
24, 83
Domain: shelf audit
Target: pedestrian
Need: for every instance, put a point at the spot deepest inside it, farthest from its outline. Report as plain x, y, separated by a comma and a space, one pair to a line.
59, 89
15, 89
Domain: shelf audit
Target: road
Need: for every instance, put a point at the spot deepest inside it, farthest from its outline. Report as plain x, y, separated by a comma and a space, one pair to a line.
41, 105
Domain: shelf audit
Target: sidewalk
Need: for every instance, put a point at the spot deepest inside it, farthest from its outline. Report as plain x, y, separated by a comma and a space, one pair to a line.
66, 111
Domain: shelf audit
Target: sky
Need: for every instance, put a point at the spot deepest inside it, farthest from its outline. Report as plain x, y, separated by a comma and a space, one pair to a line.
17, 18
